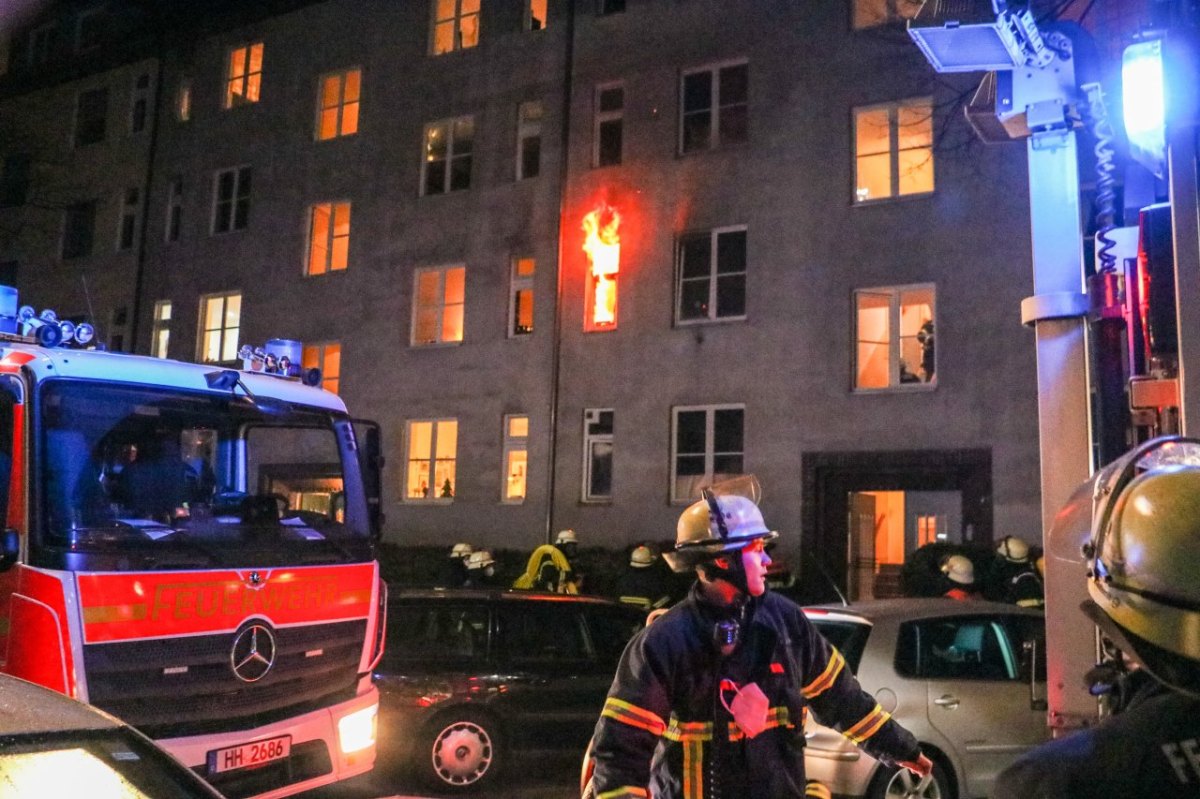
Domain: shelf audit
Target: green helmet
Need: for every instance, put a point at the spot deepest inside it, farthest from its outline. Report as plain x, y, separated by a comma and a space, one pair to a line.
726, 519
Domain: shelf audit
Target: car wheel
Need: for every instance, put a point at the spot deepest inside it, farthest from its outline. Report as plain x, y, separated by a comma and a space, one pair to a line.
463, 751
900, 783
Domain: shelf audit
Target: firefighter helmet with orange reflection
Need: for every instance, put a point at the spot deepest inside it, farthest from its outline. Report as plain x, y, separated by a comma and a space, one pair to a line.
959, 569
726, 519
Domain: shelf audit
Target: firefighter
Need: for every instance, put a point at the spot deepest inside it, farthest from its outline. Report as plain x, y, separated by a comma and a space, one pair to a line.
960, 574
1143, 549
1015, 578
642, 584
710, 700
550, 567
456, 571
481, 569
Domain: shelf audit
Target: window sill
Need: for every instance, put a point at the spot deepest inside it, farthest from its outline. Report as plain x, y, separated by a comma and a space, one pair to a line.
599, 501
434, 345
903, 198
430, 501
719, 148
721, 320
326, 273
903, 388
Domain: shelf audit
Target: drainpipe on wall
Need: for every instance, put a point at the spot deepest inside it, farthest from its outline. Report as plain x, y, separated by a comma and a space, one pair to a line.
153, 113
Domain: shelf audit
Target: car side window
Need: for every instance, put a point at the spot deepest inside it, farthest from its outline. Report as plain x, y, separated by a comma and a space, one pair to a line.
958, 648
542, 633
436, 632
610, 630
1028, 636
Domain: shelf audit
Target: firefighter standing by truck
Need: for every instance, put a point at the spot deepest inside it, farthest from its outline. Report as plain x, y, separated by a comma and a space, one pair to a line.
710, 699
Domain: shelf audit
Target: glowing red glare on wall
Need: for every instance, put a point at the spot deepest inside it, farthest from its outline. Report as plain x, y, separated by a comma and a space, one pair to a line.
602, 243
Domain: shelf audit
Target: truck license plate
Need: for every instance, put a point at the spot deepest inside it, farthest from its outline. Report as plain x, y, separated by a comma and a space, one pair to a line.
249, 755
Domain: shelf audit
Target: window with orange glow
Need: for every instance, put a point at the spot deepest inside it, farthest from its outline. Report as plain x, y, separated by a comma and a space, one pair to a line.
455, 25
708, 446
449, 144
893, 150
535, 15
870, 13
432, 459
328, 358
516, 457
243, 77
439, 295
220, 326
520, 303
602, 245
337, 104
712, 276
714, 107
328, 238
183, 100
894, 337
160, 333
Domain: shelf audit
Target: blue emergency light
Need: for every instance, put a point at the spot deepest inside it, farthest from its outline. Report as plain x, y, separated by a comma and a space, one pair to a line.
1143, 86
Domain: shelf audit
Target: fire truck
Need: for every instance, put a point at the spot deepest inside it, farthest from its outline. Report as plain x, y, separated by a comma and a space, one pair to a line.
192, 548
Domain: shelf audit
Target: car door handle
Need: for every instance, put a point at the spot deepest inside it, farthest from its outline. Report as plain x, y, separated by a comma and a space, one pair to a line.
947, 701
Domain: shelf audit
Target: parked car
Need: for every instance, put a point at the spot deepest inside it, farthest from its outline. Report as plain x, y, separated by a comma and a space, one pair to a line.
52, 745
471, 677
966, 678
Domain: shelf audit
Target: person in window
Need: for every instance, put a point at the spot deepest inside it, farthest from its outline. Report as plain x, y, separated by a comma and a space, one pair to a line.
710, 699
925, 339
960, 578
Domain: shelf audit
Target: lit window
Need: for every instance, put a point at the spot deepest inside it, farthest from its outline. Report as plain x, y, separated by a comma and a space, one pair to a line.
91, 117
712, 275
447, 163
609, 127
597, 454
432, 453
329, 238
520, 304
516, 457
139, 107
895, 337
183, 100
893, 150
337, 109
870, 13
455, 25
174, 210
438, 305
79, 227
221, 321
328, 358
707, 447
529, 139
127, 228
602, 244
535, 15
160, 333
231, 200
43, 42
243, 79
715, 107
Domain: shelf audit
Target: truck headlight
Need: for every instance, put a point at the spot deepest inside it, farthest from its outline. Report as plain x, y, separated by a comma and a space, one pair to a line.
357, 730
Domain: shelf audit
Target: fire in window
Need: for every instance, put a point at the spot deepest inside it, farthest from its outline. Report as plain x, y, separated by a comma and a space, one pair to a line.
602, 243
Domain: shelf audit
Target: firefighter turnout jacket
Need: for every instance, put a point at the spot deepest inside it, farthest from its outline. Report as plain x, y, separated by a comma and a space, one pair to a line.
666, 733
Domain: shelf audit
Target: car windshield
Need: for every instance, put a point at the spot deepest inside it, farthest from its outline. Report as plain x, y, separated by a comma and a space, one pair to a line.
166, 473
100, 765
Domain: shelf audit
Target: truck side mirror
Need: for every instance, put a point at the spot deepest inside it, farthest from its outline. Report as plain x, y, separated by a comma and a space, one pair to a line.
10, 549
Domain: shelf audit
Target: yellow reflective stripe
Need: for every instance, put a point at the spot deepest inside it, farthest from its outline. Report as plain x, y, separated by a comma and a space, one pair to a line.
776, 717
624, 792
693, 770
640, 601
688, 730
633, 715
832, 669
868, 725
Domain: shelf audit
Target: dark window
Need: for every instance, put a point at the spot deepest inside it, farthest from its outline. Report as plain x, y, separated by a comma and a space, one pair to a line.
972, 648
610, 125
436, 632
610, 629
727, 441
91, 117
690, 443
232, 209
715, 108
14, 183
604, 7
542, 633
78, 230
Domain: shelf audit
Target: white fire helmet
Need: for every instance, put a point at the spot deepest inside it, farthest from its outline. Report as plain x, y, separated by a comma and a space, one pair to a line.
566, 537
461, 550
1013, 549
480, 559
701, 535
641, 557
959, 569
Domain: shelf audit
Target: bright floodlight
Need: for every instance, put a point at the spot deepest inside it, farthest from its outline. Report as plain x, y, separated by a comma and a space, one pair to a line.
1145, 107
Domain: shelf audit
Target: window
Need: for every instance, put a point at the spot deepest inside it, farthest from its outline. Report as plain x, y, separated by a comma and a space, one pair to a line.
14, 182
438, 305
547, 636
89, 30
243, 77
91, 116
174, 209
529, 139
895, 337
221, 320
455, 25
160, 334
127, 229
520, 297
43, 42
78, 229
606, 7
328, 358
715, 107
435, 633
597, 454
328, 238
971, 648
712, 275
870, 13
231, 201
609, 125
432, 453
893, 150
140, 104
183, 100
535, 15
447, 164
516, 457
337, 107
708, 448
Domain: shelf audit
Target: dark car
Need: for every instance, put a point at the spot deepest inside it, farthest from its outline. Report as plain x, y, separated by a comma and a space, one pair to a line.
472, 677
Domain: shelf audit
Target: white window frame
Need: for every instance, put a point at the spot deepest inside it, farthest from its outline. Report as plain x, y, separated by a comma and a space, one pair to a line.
128, 219
331, 238
710, 454
320, 352
449, 125
139, 96
160, 331
513, 444
456, 20
174, 223
233, 99
592, 416
601, 118
517, 284
713, 276
441, 306
223, 332
895, 295
339, 108
241, 175
431, 458
893, 109
715, 105
529, 127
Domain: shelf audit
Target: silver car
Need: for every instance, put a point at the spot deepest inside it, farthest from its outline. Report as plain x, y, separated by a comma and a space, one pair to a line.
967, 678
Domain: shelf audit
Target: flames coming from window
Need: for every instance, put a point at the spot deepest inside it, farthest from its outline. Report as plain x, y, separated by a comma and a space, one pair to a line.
602, 243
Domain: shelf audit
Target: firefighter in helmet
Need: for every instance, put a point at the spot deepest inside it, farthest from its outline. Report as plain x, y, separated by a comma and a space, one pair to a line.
456, 566
1140, 519
1015, 578
551, 566
960, 577
481, 569
643, 583
710, 699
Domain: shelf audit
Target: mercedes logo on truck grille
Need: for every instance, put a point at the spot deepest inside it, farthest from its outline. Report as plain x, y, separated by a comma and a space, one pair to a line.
253, 652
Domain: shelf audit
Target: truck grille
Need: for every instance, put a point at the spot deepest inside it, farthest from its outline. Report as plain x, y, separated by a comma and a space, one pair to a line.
146, 684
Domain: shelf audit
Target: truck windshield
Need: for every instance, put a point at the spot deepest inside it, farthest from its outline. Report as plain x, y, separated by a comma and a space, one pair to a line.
157, 478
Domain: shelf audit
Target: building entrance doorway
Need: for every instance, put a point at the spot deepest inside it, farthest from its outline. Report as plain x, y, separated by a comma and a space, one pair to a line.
885, 527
